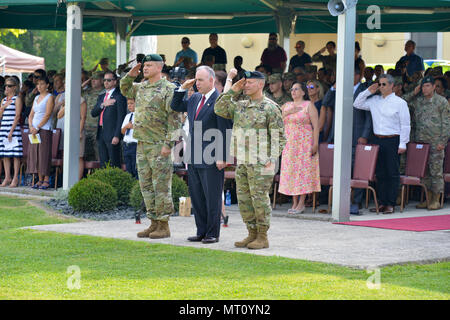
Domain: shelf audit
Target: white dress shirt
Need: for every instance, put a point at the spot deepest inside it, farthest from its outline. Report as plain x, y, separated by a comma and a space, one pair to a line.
390, 115
128, 138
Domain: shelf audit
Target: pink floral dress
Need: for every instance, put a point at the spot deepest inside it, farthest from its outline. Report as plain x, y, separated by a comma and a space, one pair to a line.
299, 170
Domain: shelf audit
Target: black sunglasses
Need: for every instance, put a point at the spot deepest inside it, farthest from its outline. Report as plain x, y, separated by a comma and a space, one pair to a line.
10, 85
109, 80
383, 84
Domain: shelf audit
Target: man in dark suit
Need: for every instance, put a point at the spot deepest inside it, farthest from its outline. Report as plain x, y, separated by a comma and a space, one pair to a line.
362, 133
111, 109
205, 152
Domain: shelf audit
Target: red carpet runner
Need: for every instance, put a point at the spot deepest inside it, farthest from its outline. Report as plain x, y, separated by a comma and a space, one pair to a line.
430, 223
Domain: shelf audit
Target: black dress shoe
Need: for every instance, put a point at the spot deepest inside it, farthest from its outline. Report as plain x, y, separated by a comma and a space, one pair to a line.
210, 240
195, 239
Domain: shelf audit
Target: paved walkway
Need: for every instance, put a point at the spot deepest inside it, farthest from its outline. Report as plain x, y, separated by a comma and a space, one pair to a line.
299, 238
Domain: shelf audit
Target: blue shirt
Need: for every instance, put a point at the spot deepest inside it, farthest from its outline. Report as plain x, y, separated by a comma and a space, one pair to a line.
188, 53
415, 63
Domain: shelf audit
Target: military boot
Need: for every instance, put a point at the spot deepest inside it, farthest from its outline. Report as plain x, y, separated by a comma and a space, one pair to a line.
146, 232
434, 203
423, 205
261, 241
251, 237
162, 231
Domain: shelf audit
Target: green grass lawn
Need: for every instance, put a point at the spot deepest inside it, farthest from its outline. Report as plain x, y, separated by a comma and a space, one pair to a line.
34, 265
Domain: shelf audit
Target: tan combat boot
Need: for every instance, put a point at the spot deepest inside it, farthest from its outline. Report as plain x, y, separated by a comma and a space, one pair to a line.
434, 203
261, 241
162, 231
423, 205
146, 232
251, 237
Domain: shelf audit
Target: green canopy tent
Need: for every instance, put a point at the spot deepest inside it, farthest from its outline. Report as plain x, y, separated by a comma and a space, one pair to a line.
151, 17
231, 16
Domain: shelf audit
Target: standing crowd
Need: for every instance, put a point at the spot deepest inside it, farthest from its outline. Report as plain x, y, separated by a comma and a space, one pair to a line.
277, 120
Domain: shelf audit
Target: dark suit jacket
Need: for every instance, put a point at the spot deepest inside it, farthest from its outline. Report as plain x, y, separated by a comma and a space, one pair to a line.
113, 115
209, 120
362, 120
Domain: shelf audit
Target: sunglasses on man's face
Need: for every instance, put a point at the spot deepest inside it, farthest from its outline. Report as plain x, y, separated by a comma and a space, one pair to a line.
383, 84
10, 85
108, 80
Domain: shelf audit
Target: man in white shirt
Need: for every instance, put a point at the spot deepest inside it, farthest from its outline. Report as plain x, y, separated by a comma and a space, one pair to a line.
391, 127
129, 143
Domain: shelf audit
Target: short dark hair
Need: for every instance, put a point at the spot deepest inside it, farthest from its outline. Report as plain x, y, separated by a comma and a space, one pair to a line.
110, 72
332, 43
41, 72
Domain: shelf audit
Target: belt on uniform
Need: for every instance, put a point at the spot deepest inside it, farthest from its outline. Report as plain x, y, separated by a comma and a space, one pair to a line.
385, 137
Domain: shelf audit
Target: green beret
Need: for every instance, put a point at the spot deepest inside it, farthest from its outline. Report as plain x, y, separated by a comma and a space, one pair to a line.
152, 57
428, 79
254, 75
274, 78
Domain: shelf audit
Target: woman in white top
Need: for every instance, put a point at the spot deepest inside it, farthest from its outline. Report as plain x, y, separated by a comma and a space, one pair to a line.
60, 124
40, 122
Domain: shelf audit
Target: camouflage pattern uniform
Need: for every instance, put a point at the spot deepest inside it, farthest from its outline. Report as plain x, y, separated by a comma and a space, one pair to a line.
273, 78
432, 119
253, 182
155, 122
90, 126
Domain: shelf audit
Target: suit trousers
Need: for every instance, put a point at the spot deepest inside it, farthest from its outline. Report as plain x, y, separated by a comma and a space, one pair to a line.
107, 151
206, 189
388, 170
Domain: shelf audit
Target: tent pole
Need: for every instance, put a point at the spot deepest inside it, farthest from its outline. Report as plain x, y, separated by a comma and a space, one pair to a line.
344, 115
121, 40
73, 94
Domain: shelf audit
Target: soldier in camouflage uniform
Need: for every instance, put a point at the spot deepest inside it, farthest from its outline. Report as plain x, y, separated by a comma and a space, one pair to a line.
277, 93
288, 79
91, 96
258, 119
155, 123
432, 118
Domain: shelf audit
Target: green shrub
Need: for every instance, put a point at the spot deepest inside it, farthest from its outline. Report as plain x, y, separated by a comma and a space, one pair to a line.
120, 180
136, 200
179, 189
92, 195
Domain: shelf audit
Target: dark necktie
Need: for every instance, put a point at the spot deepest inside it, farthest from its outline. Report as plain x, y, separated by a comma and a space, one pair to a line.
128, 130
200, 107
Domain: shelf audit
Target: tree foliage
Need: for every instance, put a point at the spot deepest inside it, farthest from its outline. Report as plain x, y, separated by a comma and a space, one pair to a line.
52, 46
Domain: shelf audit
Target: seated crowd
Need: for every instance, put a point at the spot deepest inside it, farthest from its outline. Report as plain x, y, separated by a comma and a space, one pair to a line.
388, 111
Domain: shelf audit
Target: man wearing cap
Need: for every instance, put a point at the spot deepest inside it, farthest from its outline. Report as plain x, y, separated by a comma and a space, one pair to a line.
276, 90
257, 142
91, 96
288, 80
154, 126
432, 118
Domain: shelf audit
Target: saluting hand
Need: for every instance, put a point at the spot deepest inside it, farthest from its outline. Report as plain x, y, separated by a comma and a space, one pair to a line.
238, 86
188, 84
134, 72
373, 88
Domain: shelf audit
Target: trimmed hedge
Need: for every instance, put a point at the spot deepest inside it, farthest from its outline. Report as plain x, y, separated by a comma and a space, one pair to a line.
120, 180
92, 195
136, 200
